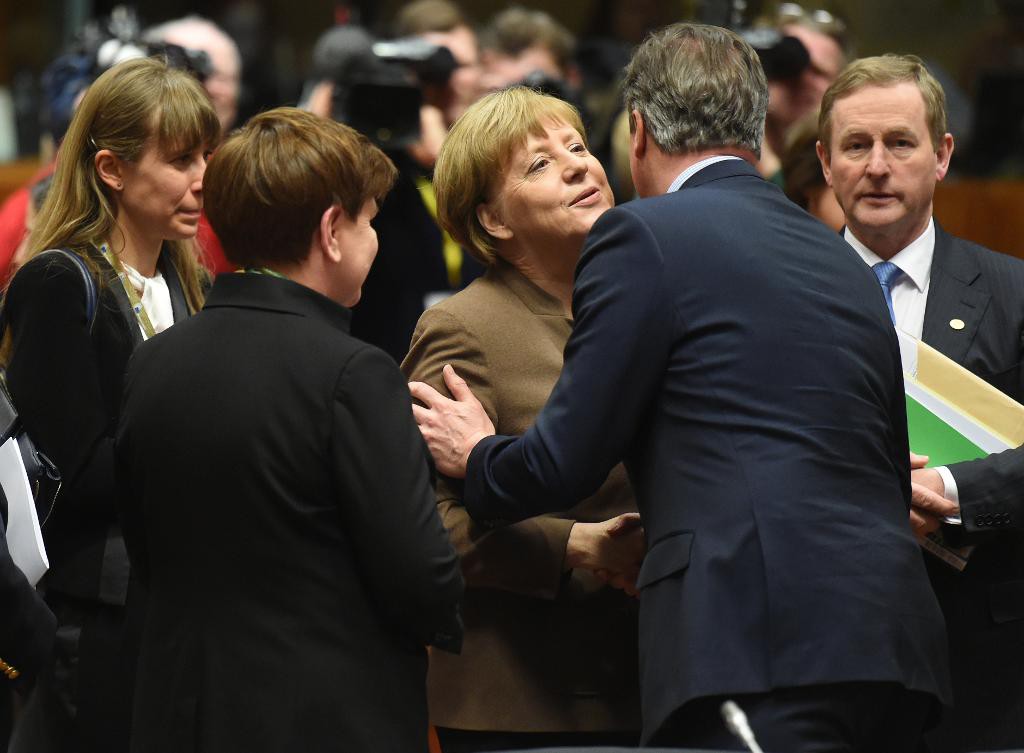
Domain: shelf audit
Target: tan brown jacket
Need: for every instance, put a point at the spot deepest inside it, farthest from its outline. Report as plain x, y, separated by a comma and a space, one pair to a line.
544, 650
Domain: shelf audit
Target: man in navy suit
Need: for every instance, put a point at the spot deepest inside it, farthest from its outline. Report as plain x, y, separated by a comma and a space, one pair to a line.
883, 147
739, 358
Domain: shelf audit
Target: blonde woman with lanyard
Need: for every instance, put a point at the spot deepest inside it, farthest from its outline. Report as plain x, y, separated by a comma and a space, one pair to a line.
125, 201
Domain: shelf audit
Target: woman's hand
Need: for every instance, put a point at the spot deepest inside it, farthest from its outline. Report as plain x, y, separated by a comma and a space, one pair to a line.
613, 549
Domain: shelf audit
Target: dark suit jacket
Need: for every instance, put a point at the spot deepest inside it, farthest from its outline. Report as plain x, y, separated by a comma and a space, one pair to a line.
983, 605
740, 357
279, 507
545, 650
26, 625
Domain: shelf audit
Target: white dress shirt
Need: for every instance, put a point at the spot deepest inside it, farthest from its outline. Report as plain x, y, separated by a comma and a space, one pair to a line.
909, 298
696, 167
155, 297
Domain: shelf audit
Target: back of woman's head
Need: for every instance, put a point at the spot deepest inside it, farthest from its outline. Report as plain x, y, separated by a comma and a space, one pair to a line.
135, 103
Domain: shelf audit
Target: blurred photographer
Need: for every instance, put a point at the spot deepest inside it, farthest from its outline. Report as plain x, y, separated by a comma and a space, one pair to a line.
524, 46
802, 53
223, 75
401, 94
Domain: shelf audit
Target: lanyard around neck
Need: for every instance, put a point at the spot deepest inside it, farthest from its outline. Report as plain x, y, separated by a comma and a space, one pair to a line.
133, 297
261, 271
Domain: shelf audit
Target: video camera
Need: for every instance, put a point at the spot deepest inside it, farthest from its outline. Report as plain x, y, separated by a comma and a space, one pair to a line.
783, 58
99, 45
379, 85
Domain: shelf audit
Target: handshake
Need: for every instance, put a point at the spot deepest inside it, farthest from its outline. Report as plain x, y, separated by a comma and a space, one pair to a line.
612, 549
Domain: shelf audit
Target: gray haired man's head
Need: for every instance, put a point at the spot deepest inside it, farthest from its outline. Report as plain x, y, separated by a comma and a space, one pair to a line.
698, 87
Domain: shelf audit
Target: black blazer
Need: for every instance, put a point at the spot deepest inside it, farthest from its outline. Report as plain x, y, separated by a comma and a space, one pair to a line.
984, 605
740, 357
279, 508
26, 625
66, 384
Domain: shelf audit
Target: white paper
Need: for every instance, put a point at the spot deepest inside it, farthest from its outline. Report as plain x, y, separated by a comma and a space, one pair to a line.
908, 352
24, 537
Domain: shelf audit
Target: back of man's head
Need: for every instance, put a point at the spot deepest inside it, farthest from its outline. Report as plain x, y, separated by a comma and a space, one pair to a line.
698, 87
886, 70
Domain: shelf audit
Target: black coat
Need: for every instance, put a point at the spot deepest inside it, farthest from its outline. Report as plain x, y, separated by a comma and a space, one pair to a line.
66, 384
26, 625
983, 605
741, 359
279, 507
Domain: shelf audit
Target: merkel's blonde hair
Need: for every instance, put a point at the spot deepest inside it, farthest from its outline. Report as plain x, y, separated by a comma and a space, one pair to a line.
886, 70
132, 103
477, 150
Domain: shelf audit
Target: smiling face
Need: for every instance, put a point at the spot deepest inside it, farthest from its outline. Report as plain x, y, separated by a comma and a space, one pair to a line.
883, 165
550, 194
161, 195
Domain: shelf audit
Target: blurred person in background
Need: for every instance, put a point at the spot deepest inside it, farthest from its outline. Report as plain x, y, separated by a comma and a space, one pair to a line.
223, 77
525, 46
443, 23
277, 497
804, 183
792, 95
550, 652
126, 199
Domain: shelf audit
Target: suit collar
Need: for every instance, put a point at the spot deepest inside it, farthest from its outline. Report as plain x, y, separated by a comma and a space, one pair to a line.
536, 300
268, 293
954, 295
730, 168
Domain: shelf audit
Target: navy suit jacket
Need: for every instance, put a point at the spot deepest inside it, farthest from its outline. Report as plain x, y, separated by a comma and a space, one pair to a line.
740, 358
984, 605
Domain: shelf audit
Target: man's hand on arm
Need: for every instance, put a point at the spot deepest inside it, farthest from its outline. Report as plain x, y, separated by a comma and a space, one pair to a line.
451, 428
613, 549
928, 506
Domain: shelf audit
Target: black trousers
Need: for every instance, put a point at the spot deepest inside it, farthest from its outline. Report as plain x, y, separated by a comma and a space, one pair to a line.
470, 741
853, 717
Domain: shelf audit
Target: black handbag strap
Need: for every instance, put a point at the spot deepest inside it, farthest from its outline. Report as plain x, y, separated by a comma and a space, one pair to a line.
91, 293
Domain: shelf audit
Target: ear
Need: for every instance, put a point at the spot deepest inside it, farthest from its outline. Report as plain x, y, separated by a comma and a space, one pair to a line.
110, 169
943, 154
328, 236
826, 162
637, 135
490, 218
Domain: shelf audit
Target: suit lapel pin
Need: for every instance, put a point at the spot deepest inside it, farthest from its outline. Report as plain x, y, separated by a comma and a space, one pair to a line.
956, 323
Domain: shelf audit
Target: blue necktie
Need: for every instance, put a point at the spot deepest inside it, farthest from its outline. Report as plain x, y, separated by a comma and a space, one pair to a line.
886, 272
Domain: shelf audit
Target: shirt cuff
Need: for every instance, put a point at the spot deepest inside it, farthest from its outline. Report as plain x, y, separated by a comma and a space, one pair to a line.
950, 492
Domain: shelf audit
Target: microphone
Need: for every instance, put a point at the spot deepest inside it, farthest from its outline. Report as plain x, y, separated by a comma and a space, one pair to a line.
736, 722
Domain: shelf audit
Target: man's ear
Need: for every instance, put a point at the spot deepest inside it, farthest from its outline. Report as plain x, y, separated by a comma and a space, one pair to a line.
826, 162
330, 244
943, 154
110, 169
637, 134
490, 218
